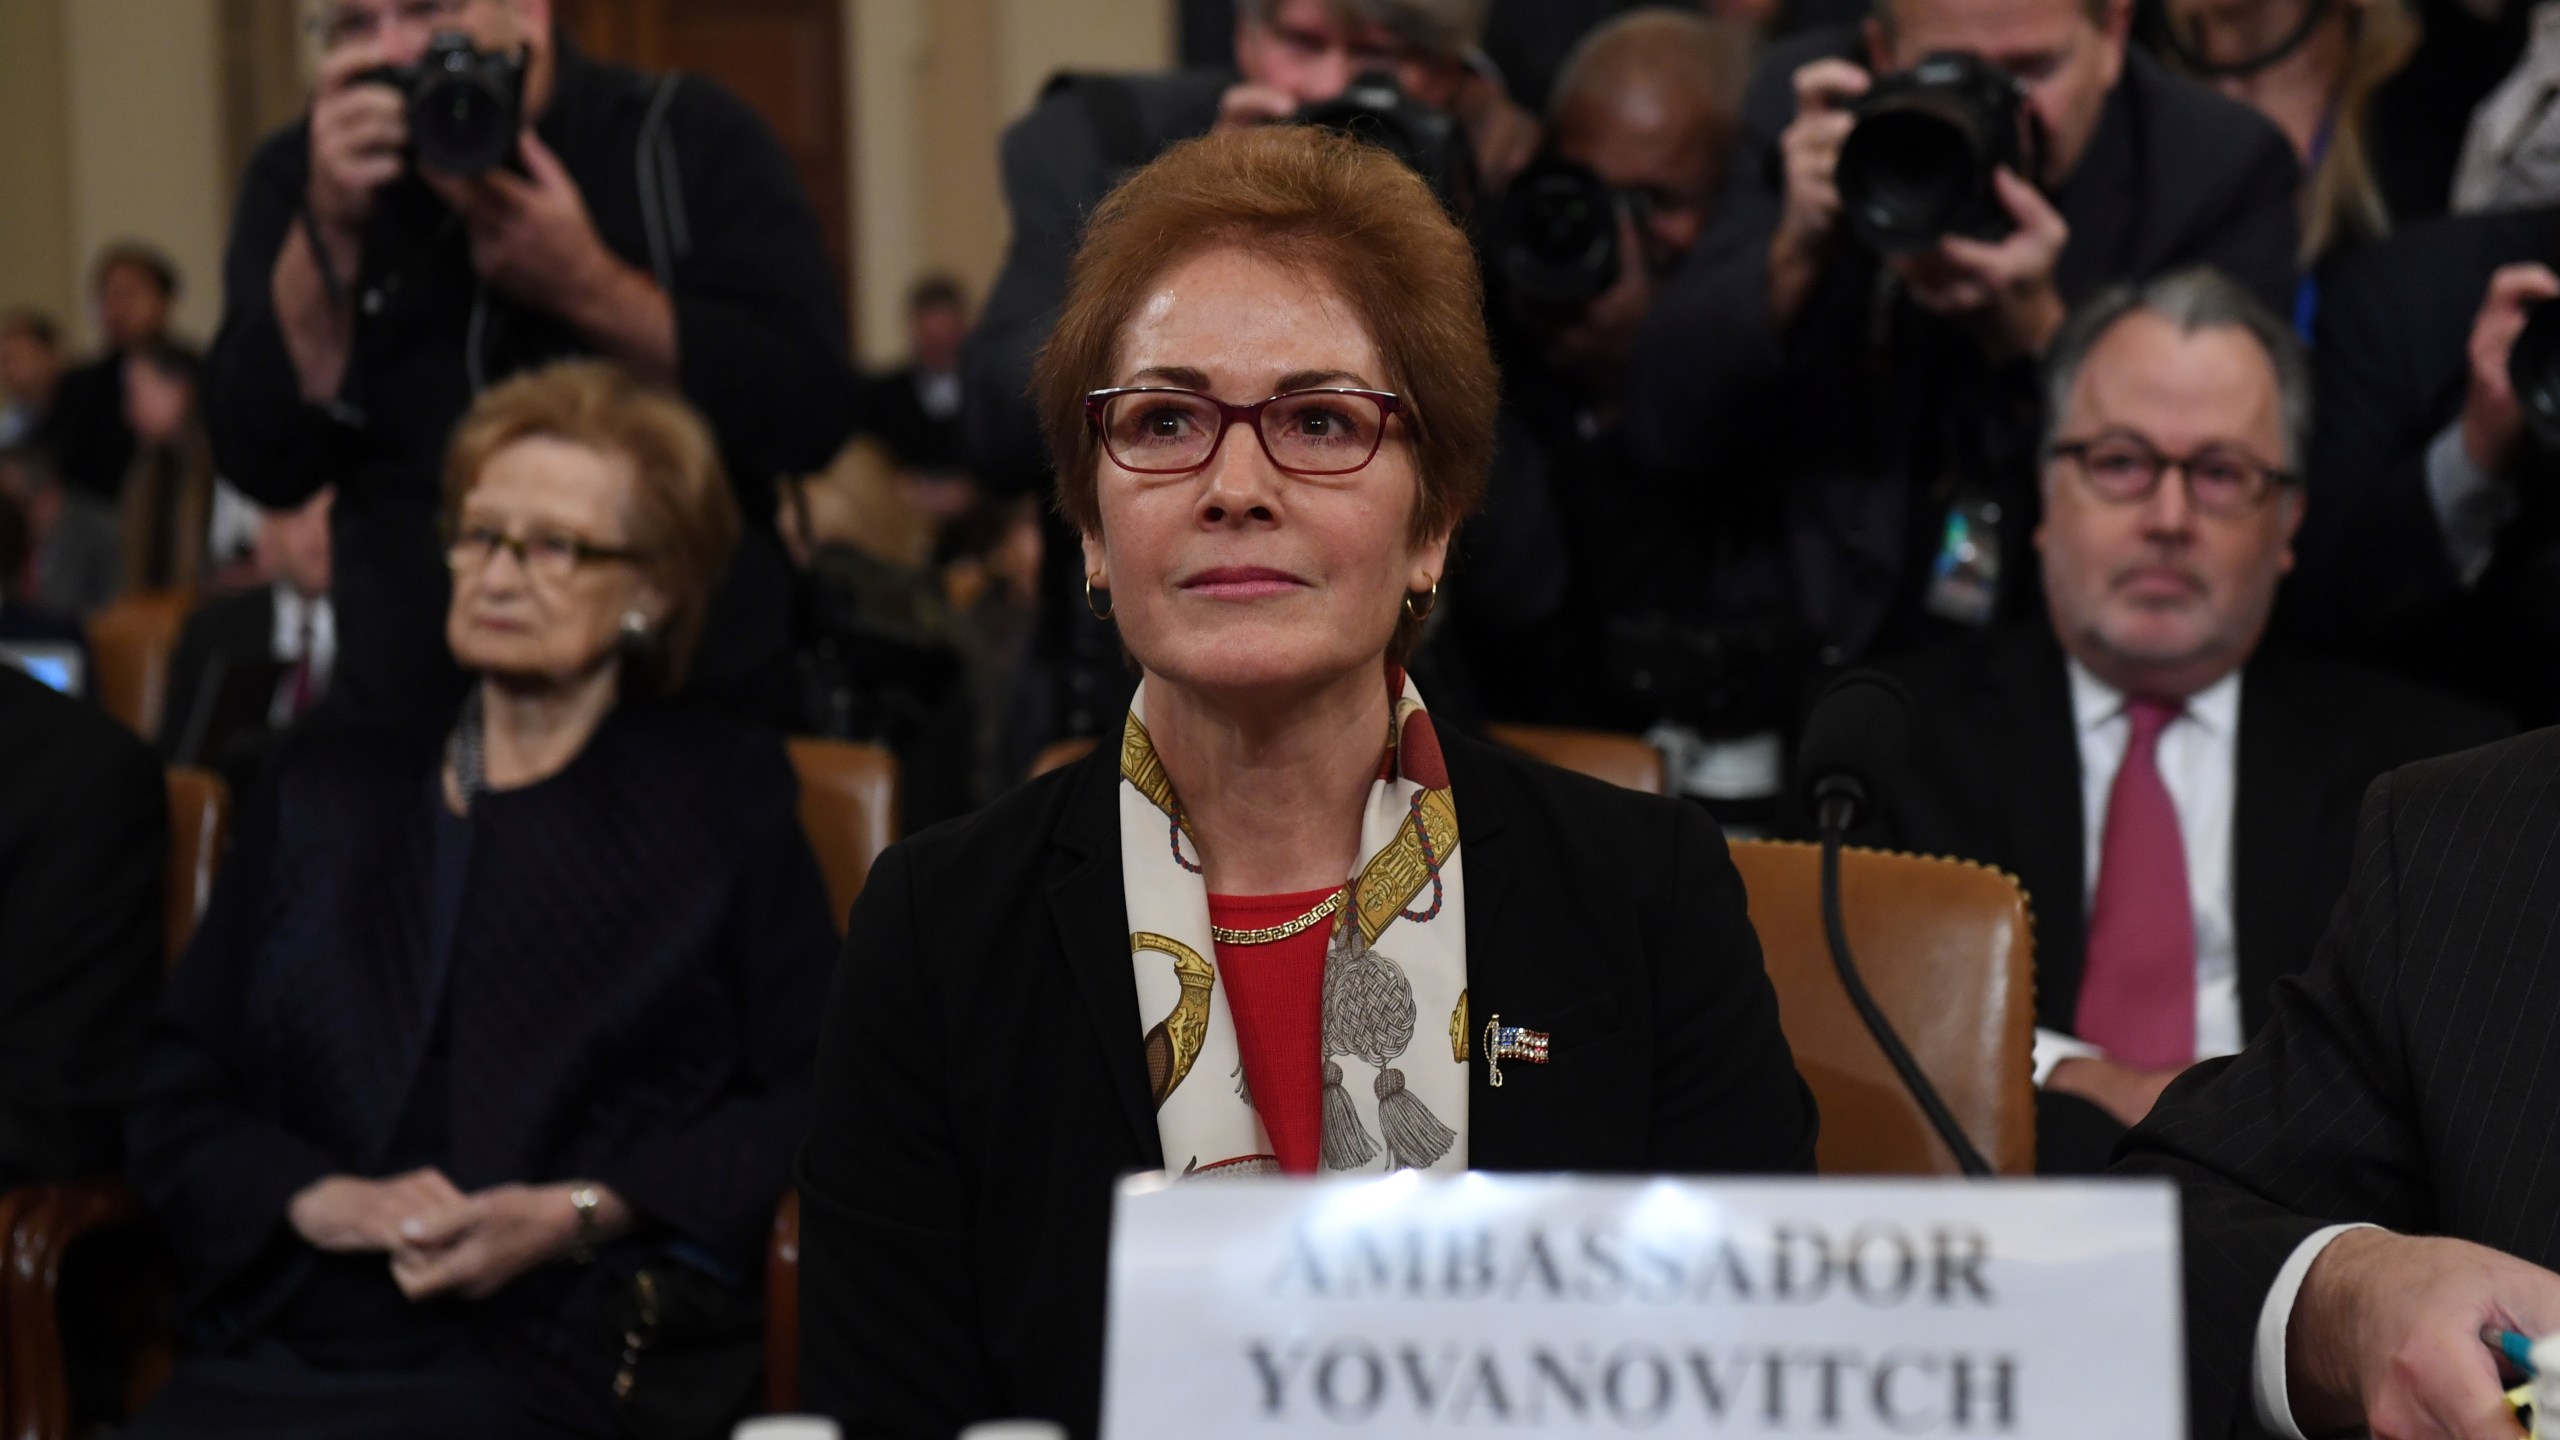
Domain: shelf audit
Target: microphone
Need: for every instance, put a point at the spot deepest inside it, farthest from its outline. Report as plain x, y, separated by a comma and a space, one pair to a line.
1853, 752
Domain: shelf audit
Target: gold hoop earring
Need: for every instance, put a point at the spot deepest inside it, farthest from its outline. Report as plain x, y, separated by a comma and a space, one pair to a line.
1107, 609
1432, 604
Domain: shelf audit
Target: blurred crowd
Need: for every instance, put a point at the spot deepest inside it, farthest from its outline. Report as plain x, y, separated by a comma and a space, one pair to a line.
2077, 362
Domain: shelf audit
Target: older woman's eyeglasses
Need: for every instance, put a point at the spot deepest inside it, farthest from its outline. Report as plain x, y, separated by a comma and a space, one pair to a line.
1157, 430
2125, 469
549, 556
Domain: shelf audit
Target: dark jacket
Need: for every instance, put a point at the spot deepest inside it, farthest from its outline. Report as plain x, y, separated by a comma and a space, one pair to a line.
92, 444
2403, 1080
2375, 579
1994, 776
760, 347
638, 954
84, 847
1832, 461
1058, 162
982, 1083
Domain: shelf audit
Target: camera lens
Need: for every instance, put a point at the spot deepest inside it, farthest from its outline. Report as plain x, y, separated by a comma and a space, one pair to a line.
1558, 241
1918, 164
2533, 369
1906, 178
463, 126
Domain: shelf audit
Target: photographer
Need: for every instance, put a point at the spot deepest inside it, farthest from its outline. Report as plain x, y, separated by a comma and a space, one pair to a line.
370, 295
2439, 553
1640, 129
1865, 422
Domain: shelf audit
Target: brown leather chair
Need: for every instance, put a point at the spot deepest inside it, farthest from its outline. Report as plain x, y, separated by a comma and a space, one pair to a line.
1059, 753
40, 1224
1623, 760
1947, 949
131, 641
199, 827
782, 1309
849, 806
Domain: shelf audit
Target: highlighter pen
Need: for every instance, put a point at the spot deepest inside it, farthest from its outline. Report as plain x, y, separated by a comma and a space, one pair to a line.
2517, 1348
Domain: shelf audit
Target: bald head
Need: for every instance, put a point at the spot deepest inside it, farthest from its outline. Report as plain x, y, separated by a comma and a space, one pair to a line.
1649, 101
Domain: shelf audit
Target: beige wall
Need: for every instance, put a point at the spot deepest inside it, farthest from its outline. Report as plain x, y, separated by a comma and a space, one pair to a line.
144, 112
36, 267
934, 82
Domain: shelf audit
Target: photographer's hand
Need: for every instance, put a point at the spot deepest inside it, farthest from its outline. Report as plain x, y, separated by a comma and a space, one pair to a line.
2492, 421
1810, 148
532, 239
1596, 344
1246, 105
358, 133
2005, 286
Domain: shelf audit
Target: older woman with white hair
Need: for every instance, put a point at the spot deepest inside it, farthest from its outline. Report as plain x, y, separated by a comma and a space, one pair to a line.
1286, 925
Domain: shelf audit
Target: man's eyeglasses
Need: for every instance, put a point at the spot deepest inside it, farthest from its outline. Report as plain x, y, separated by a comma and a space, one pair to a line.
1157, 430
346, 24
549, 556
2125, 469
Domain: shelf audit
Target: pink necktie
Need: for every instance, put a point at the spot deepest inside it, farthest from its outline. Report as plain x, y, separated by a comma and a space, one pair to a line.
2138, 984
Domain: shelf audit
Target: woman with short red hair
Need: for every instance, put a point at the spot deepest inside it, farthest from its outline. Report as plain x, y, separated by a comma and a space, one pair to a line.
1286, 925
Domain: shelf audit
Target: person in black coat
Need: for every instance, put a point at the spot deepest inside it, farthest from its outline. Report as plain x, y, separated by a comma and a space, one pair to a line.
2018, 738
249, 665
1153, 959
2435, 545
2401, 1083
1847, 419
84, 854
654, 220
491, 1027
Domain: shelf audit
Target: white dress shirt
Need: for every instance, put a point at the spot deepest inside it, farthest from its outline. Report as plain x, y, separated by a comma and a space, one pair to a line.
2471, 505
2199, 761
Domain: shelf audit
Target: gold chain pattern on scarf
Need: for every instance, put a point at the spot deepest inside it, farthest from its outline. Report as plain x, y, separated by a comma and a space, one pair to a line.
1272, 934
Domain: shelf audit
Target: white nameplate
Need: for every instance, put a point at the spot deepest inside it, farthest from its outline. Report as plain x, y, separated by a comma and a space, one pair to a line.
1565, 1306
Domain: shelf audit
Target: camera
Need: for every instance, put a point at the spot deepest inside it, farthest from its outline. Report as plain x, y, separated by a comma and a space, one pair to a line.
1918, 164
1373, 107
465, 104
2533, 369
1555, 239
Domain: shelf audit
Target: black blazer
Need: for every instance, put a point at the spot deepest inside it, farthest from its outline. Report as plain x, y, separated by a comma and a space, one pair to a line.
981, 1086
636, 963
84, 844
1994, 776
2393, 365
2404, 1079
1815, 453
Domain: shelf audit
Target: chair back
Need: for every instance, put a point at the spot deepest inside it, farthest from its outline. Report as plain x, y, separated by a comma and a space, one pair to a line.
132, 640
782, 1307
1629, 761
199, 827
1948, 952
1059, 753
849, 806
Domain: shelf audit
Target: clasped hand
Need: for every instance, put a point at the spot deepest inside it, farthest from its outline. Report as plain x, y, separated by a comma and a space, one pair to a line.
440, 1241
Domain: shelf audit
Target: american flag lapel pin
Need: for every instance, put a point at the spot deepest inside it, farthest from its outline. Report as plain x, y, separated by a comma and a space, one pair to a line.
1511, 1042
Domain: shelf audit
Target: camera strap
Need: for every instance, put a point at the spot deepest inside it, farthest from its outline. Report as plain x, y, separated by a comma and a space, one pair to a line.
661, 185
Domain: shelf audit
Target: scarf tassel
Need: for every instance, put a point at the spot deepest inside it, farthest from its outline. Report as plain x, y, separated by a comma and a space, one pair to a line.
1347, 1145
1415, 1136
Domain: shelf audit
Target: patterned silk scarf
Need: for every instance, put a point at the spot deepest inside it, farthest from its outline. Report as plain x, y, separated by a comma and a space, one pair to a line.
1395, 977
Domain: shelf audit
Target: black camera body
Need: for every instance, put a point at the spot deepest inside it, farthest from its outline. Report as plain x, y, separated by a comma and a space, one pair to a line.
2533, 370
1373, 107
1918, 164
466, 104
1555, 239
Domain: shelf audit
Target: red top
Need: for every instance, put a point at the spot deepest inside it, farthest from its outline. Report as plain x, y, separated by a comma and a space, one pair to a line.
1276, 994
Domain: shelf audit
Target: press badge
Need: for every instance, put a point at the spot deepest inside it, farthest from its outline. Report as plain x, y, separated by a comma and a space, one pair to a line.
1964, 579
